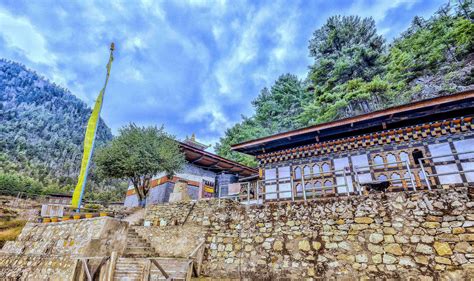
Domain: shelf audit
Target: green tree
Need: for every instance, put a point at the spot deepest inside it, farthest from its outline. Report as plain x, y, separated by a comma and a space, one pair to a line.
139, 153
277, 109
345, 48
240, 132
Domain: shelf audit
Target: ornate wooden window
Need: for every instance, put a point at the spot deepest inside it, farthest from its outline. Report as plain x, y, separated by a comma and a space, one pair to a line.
396, 180
307, 170
391, 159
417, 154
378, 160
327, 186
326, 168
297, 173
308, 186
404, 157
382, 177
318, 188
299, 189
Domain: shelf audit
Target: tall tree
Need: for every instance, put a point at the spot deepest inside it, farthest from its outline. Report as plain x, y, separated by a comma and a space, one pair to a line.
278, 108
139, 153
345, 48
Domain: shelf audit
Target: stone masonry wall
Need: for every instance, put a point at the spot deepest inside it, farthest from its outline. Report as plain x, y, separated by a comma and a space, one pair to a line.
421, 234
72, 238
14, 267
173, 241
50, 251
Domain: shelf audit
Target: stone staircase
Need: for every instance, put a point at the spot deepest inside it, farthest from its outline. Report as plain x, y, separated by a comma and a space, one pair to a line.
137, 247
136, 262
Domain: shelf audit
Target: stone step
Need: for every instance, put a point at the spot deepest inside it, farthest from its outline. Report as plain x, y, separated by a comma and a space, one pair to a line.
139, 245
137, 242
128, 268
129, 271
139, 250
134, 238
131, 263
129, 274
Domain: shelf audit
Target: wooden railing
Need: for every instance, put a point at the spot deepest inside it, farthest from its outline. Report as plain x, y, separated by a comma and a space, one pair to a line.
197, 255
103, 271
160, 268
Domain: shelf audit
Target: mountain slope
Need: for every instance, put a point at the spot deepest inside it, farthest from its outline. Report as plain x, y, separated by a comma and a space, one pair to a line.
41, 127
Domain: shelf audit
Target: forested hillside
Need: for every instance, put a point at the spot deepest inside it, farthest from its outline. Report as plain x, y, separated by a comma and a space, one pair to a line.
41, 133
356, 71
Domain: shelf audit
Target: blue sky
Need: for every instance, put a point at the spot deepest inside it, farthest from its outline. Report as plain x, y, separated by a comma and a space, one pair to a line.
192, 65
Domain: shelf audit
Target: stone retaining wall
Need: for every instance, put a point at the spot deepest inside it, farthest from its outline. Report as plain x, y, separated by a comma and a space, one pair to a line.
422, 234
14, 267
173, 241
78, 238
49, 251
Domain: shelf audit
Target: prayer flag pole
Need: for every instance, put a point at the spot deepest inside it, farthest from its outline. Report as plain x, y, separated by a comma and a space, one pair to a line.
89, 140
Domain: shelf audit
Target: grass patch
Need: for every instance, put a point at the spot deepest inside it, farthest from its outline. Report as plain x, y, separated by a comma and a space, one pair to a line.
9, 230
11, 224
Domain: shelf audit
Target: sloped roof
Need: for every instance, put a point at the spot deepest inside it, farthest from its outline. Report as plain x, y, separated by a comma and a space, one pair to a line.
438, 108
215, 163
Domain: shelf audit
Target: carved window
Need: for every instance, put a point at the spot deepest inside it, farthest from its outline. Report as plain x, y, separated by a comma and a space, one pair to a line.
307, 170
378, 160
382, 177
308, 187
404, 157
299, 189
391, 159
396, 179
417, 154
318, 185
297, 173
326, 168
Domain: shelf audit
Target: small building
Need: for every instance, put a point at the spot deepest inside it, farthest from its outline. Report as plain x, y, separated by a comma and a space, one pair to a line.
422, 145
53, 205
204, 173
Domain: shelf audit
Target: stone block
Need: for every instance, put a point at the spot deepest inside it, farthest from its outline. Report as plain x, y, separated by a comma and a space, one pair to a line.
394, 249
443, 260
442, 248
424, 249
376, 238
467, 237
364, 220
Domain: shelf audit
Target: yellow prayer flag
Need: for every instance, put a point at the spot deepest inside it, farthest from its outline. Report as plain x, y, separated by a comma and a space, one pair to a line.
89, 139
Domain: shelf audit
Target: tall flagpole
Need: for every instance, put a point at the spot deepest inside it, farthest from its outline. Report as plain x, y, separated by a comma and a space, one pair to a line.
89, 140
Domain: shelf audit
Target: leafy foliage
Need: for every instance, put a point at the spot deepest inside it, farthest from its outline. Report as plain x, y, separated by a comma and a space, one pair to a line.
345, 48
139, 153
355, 72
276, 110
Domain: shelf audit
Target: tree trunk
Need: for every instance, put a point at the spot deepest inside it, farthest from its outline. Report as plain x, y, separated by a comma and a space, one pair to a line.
141, 185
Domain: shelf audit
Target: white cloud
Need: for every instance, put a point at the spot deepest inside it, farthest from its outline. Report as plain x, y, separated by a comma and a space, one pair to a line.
20, 34
184, 63
377, 9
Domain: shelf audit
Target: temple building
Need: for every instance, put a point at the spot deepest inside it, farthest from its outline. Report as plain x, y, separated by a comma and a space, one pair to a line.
423, 145
204, 173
